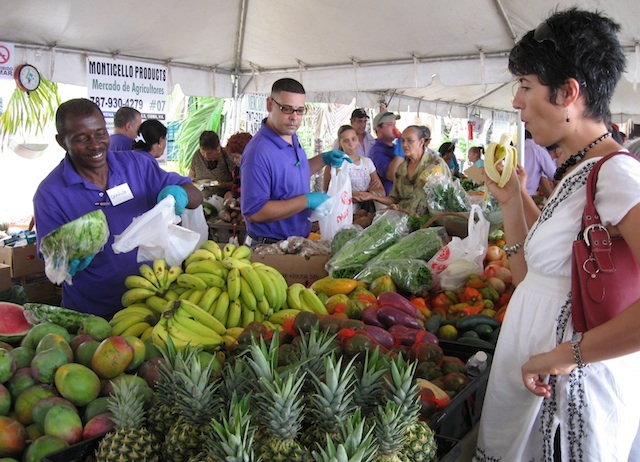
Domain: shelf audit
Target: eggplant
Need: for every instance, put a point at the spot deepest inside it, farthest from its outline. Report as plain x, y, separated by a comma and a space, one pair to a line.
380, 335
370, 317
398, 301
390, 316
405, 335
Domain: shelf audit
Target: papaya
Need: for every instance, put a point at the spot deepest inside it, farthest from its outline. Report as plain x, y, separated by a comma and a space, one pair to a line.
332, 302
382, 284
333, 286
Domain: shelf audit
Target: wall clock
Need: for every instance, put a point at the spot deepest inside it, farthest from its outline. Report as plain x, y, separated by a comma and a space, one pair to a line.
27, 77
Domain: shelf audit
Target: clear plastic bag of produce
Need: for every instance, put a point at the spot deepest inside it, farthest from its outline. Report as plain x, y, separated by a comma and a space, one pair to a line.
156, 234
385, 230
445, 194
344, 235
76, 240
410, 275
421, 244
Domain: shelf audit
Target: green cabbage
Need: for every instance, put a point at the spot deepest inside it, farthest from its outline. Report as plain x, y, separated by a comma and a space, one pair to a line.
76, 240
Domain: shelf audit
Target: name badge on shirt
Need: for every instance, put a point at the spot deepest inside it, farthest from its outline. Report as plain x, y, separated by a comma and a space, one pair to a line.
119, 194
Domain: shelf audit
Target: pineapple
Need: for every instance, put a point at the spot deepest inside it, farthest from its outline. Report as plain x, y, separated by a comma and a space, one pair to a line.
230, 439
163, 414
313, 347
331, 404
389, 432
279, 401
131, 441
369, 384
419, 442
356, 447
194, 395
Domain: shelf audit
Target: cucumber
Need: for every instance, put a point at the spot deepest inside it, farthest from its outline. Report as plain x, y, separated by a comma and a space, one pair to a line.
38, 313
476, 342
470, 334
433, 324
469, 322
484, 331
494, 336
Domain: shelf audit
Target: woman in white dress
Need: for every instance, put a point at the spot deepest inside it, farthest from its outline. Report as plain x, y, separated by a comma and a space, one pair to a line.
543, 403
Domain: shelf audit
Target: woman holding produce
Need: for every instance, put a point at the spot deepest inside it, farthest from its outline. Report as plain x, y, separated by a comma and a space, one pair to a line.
543, 403
408, 192
362, 172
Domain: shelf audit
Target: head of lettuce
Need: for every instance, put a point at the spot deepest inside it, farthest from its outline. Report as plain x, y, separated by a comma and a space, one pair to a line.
72, 246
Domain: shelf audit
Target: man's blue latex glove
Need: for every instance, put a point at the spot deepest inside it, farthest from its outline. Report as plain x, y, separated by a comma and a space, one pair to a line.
314, 199
178, 193
79, 265
335, 158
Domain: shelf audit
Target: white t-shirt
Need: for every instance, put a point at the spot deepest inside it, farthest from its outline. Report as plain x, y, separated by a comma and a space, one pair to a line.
360, 173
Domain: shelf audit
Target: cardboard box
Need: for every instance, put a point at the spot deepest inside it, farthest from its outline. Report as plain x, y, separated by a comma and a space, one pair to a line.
40, 290
23, 260
5, 277
295, 268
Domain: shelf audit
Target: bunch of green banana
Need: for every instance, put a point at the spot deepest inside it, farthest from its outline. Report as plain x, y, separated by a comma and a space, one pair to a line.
188, 324
302, 298
134, 320
500, 152
155, 280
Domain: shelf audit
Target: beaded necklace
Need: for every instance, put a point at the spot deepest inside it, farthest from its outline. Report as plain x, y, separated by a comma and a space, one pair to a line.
574, 159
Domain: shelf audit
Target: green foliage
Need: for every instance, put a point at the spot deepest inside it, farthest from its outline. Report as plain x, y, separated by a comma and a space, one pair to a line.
29, 113
204, 114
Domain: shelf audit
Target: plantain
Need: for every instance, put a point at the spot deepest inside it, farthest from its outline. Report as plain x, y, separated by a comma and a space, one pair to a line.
248, 317
136, 330
235, 313
207, 266
213, 247
198, 255
233, 284
192, 282
221, 310
160, 270
196, 296
228, 249
135, 295
147, 272
157, 304
280, 316
200, 315
181, 317
312, 302
208, 299
134, 281
251, 276
172, 275
210, 280
242, 252
293, 295
246, 295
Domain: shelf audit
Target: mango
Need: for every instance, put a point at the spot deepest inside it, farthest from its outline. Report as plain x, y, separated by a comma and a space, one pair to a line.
45, 364
38, 331
95, 326
44, 446
84, 352
7, 365
13, 437
44, 405
26, 401
64, 422
23, 356
112, 357
20, 381
335, 300
139, 352
5, 400
54, 340
77, 383
382, 284
98, 425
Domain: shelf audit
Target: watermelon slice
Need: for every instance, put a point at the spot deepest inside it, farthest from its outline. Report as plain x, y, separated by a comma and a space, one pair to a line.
13, 323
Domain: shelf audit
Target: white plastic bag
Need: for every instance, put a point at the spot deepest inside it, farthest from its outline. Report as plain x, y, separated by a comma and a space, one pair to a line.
341, 214
157, 235
453, 264
194, 220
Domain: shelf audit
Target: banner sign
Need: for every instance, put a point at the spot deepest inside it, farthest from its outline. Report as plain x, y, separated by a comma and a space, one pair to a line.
113, 83
254, 110
6, 60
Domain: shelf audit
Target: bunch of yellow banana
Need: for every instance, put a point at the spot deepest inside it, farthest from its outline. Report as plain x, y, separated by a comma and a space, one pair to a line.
500, 152
302, 298
136, 319
188, 324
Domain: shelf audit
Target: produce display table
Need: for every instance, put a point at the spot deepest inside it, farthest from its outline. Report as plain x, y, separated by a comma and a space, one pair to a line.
220, 231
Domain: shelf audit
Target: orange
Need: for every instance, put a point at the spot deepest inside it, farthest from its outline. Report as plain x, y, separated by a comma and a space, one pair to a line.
448, 332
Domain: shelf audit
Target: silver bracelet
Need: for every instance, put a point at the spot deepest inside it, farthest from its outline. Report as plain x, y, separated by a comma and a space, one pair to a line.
513, 249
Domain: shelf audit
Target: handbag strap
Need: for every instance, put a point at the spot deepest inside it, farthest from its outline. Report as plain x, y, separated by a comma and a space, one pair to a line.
594, 233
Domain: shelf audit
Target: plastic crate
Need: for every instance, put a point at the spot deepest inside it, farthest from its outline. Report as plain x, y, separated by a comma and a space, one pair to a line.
462, 414
220, 231
79, 452
449, 449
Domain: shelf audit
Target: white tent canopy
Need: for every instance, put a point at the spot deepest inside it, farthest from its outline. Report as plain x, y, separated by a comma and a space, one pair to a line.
418, 55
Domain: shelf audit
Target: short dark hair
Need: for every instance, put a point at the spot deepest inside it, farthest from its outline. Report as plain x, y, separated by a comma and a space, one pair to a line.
151, 130
289, 85
124, 115
446, 147
209, 140
573, 44
75, 107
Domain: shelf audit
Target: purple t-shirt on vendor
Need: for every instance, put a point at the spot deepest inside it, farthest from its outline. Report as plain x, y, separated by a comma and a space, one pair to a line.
381, 154
64, 196
273, 169
120, 142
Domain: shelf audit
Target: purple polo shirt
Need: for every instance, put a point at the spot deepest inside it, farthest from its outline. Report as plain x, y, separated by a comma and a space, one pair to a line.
119, 142
381, 155
64, 196
272, 169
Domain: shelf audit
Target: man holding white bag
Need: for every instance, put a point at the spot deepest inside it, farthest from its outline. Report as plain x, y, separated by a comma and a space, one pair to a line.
276, 199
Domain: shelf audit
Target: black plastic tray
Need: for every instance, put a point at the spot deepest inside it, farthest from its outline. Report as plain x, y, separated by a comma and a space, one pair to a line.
460, 416
79, 452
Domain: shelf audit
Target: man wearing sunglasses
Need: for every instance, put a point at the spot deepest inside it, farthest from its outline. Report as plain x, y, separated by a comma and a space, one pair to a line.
276, 200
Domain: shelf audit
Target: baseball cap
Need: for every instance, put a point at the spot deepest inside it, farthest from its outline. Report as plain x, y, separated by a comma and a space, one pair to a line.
384, 117
359, 114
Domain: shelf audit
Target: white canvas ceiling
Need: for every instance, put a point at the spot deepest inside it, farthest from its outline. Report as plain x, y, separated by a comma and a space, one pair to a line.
422, 55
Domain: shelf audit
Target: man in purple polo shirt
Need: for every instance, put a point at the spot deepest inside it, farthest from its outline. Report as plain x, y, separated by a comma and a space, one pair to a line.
123, 186
126, 123
383, 151
275, 171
